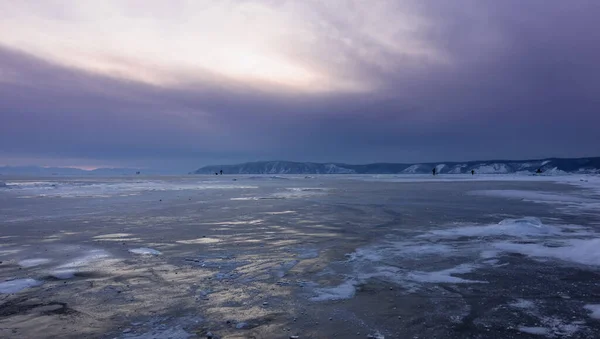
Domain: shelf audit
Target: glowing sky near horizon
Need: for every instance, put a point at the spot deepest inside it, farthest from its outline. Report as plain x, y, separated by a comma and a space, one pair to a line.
134, 83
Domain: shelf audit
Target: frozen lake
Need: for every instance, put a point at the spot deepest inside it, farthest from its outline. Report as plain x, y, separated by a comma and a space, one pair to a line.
343, 256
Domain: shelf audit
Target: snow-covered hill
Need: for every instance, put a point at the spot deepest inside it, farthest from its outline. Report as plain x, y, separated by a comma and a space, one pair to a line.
548, 166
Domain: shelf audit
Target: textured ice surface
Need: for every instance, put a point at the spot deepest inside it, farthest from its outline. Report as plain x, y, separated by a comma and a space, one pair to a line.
169, 333
418, 261
92, 189
307, 253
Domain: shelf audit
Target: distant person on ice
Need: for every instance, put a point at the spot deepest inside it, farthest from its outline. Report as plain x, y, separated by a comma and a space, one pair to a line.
433, 171
472, 172
221, 172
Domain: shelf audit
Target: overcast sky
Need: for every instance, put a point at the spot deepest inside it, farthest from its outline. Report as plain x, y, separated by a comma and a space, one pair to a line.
180, 84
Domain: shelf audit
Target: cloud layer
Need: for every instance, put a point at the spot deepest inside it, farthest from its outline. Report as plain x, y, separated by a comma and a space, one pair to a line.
192, 83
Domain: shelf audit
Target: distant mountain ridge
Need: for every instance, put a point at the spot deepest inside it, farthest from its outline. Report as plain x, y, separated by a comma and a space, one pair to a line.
549, 166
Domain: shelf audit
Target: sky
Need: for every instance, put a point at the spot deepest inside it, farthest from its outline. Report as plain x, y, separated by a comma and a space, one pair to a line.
175, 85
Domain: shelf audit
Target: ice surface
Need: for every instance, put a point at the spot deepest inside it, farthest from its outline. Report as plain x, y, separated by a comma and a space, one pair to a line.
169, 333
74, 189
534, 196
307, 253
595, 309
282, 270
16, 285
406, 262
145, 251
296, 192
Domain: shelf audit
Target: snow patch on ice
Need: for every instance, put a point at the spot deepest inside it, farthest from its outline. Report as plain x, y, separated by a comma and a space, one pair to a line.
488, 254
17, 285
521, 228
198, 241
595, 309
345, 290
523, 304
572, 201
445, 276
534, 330
33, 262
580, 251
145, 251
299, 192
377, 335
281, 212
70, 268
